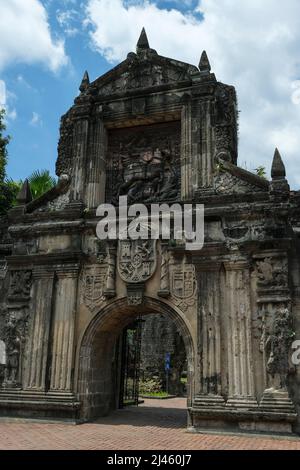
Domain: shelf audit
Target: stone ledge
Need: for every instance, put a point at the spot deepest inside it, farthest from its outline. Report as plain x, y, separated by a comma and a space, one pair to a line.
241, 420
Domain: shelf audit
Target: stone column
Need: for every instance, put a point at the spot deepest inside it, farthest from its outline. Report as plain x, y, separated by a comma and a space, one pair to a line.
241, 393
95, 193
38, 343
63, 330
209, 335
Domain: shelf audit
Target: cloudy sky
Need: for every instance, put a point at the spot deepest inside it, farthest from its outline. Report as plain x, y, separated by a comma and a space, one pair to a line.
46, 45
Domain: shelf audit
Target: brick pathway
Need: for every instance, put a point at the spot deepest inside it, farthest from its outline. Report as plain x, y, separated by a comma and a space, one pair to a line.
156, 425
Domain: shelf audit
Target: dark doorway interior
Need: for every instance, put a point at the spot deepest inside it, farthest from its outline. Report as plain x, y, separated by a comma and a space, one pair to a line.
153, 361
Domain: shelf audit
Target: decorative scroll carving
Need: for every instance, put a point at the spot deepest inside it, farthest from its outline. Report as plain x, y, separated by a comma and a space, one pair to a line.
183, 285
137, 260
93, 283
20, 284
144, 163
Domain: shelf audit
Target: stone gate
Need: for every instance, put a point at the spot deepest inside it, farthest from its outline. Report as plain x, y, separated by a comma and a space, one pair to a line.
157, 130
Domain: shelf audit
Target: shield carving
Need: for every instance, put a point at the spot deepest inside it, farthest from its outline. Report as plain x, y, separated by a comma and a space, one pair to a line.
93, 284
184, 282
136, 260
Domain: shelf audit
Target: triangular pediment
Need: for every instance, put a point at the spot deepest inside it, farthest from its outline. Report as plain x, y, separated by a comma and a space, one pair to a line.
143, 71
231, 179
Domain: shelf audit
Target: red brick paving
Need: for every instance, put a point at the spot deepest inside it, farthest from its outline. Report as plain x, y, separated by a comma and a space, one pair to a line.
156, 425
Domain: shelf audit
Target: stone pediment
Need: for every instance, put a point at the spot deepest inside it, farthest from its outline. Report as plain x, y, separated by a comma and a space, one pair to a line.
231, 179
55, 199
144, 70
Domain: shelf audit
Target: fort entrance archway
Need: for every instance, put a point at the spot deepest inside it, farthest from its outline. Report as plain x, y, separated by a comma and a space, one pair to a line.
99, 357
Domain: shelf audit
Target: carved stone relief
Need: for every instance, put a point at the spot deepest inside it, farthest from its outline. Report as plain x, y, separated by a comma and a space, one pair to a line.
144, 163
183, 285
272, 272
93, 284
20, 284
13, 334
137, 260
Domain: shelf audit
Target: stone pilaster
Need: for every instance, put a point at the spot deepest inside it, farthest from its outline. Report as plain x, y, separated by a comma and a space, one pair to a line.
206, 160
274, 314
95, 192
209, 335
63, 329
241, 393
81, 131
38, 341
186, 151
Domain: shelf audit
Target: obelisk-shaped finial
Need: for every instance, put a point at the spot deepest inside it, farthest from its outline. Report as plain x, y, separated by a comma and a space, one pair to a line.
143, 42
204, 65
85, 82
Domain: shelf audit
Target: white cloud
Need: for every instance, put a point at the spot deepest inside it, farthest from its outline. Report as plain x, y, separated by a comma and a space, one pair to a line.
25, 35
36, 119
253, 45
67, 20
2, 94
5, 98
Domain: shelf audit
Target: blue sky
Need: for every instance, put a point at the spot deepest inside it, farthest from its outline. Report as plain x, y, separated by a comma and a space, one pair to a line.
46, 45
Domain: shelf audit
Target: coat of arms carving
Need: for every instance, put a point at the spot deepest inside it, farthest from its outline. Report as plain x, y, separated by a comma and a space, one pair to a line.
93, 283
184, 285
136, 260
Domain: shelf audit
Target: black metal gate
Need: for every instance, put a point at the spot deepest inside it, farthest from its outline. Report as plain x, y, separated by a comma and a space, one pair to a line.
130, 364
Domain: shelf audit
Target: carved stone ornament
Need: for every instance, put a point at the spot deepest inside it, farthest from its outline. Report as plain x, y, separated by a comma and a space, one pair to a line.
135, 294
93, 283
137, 260
20, 284
272, 272
14, 335
184, 285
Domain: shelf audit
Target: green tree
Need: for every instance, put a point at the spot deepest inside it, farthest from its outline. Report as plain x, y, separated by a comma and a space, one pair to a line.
4, 141
7, 190
40, 182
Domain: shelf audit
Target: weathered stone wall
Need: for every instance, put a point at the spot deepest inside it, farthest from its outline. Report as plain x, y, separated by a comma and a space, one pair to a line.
159, 337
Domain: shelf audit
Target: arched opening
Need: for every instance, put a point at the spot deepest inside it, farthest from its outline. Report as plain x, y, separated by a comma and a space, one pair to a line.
100, 355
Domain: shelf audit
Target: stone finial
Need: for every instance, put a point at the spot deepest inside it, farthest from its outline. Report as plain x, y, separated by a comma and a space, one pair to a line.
204, 65
85, 82
278, 168
143, 42
24, 196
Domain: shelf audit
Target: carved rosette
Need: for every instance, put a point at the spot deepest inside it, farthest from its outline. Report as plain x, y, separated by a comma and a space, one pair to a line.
183, 285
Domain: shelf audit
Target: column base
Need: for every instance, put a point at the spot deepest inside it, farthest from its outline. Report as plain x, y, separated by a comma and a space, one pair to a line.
39, 405
242, 403
208, 401
238, 420
277, 401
